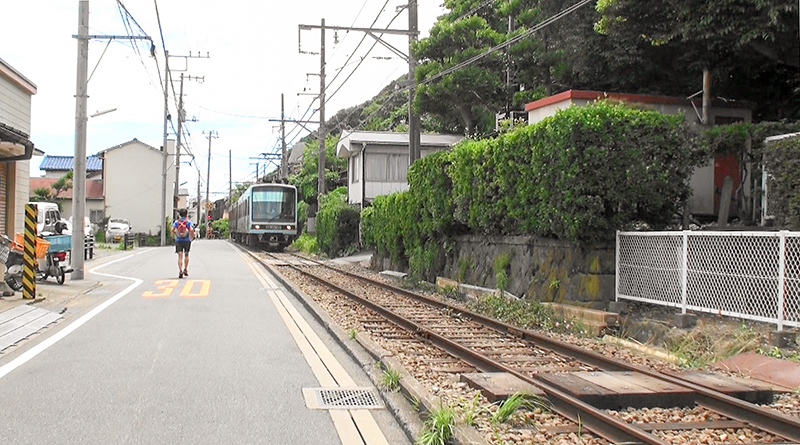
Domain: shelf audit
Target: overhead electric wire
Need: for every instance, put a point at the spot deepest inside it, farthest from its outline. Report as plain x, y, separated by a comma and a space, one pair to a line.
374, 44
475, 58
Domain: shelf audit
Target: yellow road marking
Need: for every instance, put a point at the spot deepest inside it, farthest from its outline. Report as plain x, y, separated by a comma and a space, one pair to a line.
187, 291
355, 427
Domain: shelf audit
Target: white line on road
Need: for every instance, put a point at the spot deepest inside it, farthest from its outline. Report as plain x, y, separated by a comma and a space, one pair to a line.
41, 347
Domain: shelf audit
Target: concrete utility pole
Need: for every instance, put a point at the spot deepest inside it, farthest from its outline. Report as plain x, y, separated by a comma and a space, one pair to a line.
375, 33
210, 135
79, 172
413, 117
181, 120
78, 248
230, 174
321, 160
177, 193
284, 161
164, 153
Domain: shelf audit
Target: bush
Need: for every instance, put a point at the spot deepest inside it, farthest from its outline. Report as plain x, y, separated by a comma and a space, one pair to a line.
579, 175
782, 161
337, 224
220, 228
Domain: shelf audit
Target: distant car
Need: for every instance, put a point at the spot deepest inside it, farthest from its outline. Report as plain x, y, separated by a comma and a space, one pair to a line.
117, 228
87, 227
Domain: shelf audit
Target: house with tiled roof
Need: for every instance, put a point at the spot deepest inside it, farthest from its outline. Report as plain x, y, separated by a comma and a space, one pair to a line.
123, 181
58, 166
95, 204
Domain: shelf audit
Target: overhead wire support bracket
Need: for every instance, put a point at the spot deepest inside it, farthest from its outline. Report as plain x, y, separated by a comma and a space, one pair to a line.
372, 32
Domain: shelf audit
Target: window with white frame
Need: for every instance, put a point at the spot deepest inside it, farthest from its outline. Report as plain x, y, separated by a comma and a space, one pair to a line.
387, 167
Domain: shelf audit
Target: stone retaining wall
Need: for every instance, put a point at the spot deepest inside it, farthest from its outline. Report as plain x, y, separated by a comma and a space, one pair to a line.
538, 268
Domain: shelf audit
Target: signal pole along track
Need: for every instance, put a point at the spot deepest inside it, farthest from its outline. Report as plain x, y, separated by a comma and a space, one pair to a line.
471, 341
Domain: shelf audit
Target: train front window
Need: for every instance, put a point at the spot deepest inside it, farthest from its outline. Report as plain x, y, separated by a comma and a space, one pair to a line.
274, 205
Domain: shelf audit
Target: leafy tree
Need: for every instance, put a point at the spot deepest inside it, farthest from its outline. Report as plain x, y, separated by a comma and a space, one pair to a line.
465, 99
307, 178
749, 46
44, 194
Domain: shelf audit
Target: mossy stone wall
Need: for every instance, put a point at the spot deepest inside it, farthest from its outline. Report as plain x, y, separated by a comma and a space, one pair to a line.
540, 269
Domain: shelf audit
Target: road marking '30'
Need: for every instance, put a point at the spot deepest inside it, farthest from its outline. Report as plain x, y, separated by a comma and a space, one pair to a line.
192, 289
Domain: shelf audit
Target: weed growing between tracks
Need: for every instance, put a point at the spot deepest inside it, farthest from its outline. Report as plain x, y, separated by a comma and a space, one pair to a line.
527, 315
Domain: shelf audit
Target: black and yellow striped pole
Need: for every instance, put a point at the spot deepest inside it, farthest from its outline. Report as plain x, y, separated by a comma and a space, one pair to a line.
29, 253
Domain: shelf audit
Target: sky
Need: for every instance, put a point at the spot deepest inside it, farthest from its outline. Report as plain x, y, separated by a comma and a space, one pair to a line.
251, 54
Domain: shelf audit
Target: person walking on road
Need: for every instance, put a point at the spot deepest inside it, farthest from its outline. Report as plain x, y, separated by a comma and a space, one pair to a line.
183, 230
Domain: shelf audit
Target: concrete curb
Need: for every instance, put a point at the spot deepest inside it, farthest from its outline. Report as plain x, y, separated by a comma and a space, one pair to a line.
367, 353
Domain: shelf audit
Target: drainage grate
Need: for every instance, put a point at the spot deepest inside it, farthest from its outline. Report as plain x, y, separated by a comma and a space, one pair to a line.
342, 398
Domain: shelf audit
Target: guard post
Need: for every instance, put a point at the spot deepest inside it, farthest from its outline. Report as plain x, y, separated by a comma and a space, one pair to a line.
29, 253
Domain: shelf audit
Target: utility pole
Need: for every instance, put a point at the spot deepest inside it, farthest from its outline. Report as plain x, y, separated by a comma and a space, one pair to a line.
230, 174
165, 153
210, 135
321, 160
181, 120
177, 194
284, 161
78, 247
375, 33
79, 169
413, 117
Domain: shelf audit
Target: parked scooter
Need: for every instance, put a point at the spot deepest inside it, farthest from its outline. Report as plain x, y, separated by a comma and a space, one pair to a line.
11, 257
54, 264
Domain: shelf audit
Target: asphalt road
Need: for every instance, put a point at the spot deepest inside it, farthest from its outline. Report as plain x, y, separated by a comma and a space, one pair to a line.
202, 360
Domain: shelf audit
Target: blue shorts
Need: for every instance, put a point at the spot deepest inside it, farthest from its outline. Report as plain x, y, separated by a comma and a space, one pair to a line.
182, 246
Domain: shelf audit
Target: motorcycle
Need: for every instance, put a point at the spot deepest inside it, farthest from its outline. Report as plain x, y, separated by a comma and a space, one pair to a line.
52, 265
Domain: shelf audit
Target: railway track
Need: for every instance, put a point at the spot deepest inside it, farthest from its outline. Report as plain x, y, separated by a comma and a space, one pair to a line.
472, 342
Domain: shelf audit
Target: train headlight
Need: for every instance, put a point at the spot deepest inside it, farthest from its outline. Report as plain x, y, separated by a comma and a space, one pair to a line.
289, 227
256, 227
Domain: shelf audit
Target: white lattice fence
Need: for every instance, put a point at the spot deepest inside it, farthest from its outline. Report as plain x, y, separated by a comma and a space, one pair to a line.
752, 275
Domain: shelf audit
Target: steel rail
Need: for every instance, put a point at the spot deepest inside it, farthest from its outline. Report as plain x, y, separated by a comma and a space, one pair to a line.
591, 418
766, 419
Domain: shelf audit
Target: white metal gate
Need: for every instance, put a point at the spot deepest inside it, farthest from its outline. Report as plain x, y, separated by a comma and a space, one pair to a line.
751, 275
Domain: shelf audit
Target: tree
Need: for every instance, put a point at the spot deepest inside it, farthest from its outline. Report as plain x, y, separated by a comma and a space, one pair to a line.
44, 194
749, 46
335, 169
466, 99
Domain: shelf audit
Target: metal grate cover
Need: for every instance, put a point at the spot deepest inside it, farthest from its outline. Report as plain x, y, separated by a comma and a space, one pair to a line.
342, 398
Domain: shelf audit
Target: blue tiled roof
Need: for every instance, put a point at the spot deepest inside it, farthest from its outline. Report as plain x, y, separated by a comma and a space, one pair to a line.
65, 163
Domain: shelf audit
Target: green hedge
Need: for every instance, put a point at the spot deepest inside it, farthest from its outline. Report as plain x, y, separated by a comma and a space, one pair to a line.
782, 160
337, 224
579, 175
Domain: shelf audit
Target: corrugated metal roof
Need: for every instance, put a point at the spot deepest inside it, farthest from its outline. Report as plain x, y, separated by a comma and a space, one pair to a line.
390, 138
66, 163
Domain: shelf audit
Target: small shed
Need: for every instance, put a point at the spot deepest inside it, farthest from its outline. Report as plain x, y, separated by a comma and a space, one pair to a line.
377, 161
707, 180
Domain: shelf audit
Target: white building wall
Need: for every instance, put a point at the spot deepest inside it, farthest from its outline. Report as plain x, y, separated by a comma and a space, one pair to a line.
133, 185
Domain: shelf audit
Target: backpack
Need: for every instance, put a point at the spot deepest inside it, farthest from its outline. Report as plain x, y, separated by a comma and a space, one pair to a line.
182, 230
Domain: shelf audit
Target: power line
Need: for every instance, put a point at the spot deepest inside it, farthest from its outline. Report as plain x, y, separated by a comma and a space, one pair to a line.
474, 59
